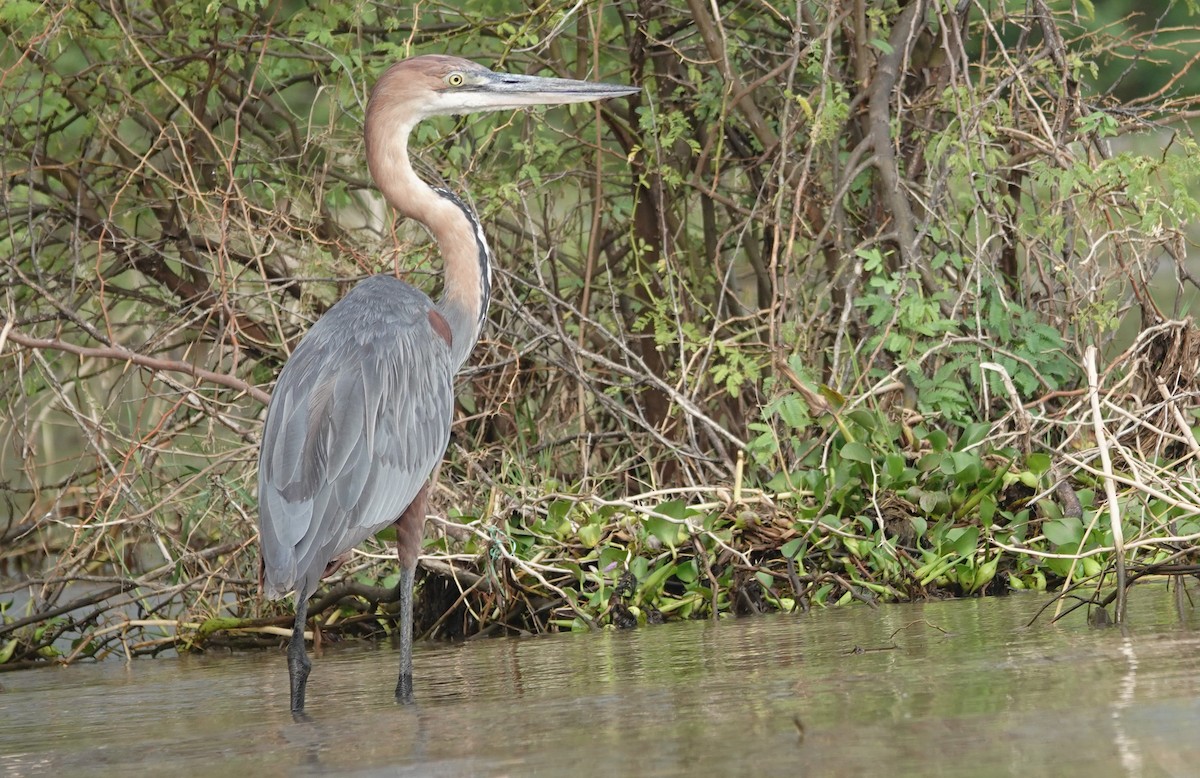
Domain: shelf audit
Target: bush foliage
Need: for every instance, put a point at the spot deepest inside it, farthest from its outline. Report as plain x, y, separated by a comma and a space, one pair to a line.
853, 301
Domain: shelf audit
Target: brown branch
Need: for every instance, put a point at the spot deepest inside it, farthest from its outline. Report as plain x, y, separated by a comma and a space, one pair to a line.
879, 130
152, 363
741, 96
82, 602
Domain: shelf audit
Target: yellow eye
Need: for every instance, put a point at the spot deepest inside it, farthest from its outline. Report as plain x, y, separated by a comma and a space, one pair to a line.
455, 79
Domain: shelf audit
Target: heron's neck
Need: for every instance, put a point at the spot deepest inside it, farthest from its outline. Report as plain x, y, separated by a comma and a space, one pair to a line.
467, 283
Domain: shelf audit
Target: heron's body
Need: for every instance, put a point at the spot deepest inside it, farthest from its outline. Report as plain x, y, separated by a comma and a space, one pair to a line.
366, 400
361, 413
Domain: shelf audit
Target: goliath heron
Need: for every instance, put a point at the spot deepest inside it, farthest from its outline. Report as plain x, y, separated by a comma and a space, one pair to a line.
361, 413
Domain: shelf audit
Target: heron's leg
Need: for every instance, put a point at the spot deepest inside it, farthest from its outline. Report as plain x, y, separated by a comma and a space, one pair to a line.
298, 662
410, 528
404, 686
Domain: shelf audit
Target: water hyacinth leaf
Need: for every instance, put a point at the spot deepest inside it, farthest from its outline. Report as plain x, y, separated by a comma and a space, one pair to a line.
856, 452
669, 527
589, 534
831, 522
1087, 498
676, 509
929, 501
1050, 509
1090, 567
987, 510
653, 583
574, 569
1038, 464
687, 602
558, 510
972, 434
560, 530
955, 461
612, 560
1067, 531
963, 540
984, 574
864, 419
969, 471
930, 462
666, 530
938, 440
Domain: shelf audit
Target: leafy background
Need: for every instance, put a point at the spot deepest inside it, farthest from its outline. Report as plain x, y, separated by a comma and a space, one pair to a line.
809, 320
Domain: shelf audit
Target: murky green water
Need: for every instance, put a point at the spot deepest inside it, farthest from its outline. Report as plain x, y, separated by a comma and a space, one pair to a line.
954, 688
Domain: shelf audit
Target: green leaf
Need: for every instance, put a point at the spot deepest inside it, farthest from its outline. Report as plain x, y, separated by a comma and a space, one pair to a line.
662, 527
1038, 463
972, 434
1067, 531
931, 461
792, 548
856, 452
938, 440
984, 574
612, 558
958, 462
930, 501
589, 534
653, 583
987, 510
794, 412
894, 465
864, 418
964, 540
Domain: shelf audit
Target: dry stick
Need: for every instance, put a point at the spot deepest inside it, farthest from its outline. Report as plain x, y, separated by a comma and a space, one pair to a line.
118, 353
1110, 486
1185, 435
1024, 420
593, 252
82, 602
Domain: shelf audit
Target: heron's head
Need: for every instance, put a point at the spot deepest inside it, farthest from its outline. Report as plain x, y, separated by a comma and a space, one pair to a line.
437, 85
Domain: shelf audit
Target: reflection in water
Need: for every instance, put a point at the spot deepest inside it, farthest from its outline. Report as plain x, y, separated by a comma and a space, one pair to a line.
949, 688
1126, 746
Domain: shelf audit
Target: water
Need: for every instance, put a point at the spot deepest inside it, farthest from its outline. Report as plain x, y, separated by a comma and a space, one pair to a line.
945, 688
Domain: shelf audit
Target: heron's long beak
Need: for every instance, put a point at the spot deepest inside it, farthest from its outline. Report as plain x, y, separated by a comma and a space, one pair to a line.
498, 91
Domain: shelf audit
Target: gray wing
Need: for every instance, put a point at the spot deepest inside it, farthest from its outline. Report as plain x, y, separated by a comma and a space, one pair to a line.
359, 418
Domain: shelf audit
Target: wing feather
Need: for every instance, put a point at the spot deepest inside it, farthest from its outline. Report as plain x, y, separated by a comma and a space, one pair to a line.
359, 418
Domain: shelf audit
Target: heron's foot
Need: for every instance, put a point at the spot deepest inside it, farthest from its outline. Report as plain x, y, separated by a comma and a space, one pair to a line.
299, 666
404, 689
